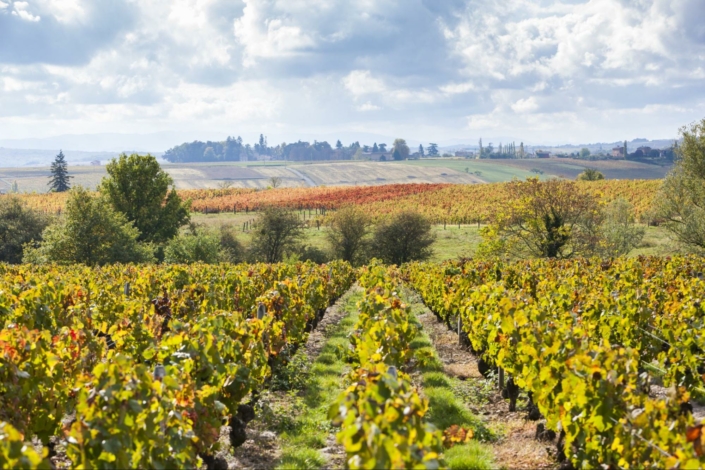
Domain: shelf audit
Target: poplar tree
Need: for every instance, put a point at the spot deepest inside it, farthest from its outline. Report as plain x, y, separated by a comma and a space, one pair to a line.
59, 179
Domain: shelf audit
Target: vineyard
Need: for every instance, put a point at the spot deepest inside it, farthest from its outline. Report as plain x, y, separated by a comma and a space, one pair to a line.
149, 361
140, 366
440, 202
590, 342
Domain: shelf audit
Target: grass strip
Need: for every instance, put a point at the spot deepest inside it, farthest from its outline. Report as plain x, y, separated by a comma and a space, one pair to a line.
307, 432
445, 408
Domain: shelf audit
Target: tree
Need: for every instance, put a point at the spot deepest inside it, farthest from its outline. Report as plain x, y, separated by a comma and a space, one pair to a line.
231, 250
590, 174
348, 235
91, 232
432, 150
209, 155
403, 149
396, 155
681, 202
375, 149
339, 145
59, 179
551, 219
584, 152
383, 148
421, 151
619, 230
407, 237
196, 246
139, 188
19, 225
277, 231
275, 181
521, 150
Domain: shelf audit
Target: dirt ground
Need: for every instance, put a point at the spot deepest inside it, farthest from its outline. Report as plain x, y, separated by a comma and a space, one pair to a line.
517, 447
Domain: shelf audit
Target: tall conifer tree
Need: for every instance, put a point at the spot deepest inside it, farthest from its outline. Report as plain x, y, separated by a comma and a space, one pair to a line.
59, 179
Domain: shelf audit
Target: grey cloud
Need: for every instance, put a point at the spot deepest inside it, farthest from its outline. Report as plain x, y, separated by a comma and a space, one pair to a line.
52, 42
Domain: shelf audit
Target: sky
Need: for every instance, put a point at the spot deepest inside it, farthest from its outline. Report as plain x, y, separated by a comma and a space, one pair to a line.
442, 71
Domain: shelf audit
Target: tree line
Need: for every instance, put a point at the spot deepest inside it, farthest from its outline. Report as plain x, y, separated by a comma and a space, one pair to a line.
234, 150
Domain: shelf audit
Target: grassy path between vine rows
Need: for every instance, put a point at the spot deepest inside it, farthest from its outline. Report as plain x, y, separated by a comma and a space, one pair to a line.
446, 409
292, 429
508, 436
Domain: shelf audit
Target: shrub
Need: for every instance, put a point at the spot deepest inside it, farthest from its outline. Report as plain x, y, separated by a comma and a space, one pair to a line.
278, 232
18, 225
196, 246
407, 237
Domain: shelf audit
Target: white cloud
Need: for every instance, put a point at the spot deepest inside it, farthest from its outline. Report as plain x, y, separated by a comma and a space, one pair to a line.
264, 36
361, 82
21, 11
368, 106
552, 68
525, 105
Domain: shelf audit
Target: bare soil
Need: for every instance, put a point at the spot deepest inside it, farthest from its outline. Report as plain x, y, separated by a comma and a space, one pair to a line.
517, 447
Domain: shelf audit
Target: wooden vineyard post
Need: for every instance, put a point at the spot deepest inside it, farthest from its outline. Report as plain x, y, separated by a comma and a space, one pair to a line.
460, 341
501, 378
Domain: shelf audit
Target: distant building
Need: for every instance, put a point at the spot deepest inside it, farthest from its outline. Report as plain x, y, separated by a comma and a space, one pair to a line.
643, 151
95, 163
618, 152
542, 154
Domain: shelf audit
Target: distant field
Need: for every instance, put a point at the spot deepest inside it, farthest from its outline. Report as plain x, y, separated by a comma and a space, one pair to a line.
258, 175
346, 173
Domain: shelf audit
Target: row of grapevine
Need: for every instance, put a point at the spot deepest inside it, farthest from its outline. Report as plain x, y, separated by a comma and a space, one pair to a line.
452, 203
381, 414
581, 337
150, 360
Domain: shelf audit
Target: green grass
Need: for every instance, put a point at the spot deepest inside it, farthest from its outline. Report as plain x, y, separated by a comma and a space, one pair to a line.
306, 432
452, 242
470, 456
445, 409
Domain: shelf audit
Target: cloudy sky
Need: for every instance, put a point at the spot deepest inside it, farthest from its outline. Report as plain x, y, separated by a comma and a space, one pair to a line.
428, 70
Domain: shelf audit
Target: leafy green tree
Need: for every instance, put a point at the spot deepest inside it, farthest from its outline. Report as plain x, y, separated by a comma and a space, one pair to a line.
90, 232
278, 231
231, 250
432, 150
375, 149
681, 202
348, 235
19, 225
590, 174
59, 179
584, 152
137, 187
421, 151
406, 237
550, 219
383, 148
620, 232
339, 144
196, 246
400, 149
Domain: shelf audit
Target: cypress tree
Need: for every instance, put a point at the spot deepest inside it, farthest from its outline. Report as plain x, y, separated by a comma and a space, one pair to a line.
59, 179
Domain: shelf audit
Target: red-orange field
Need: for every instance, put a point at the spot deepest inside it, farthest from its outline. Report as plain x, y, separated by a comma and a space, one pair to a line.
451, 203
